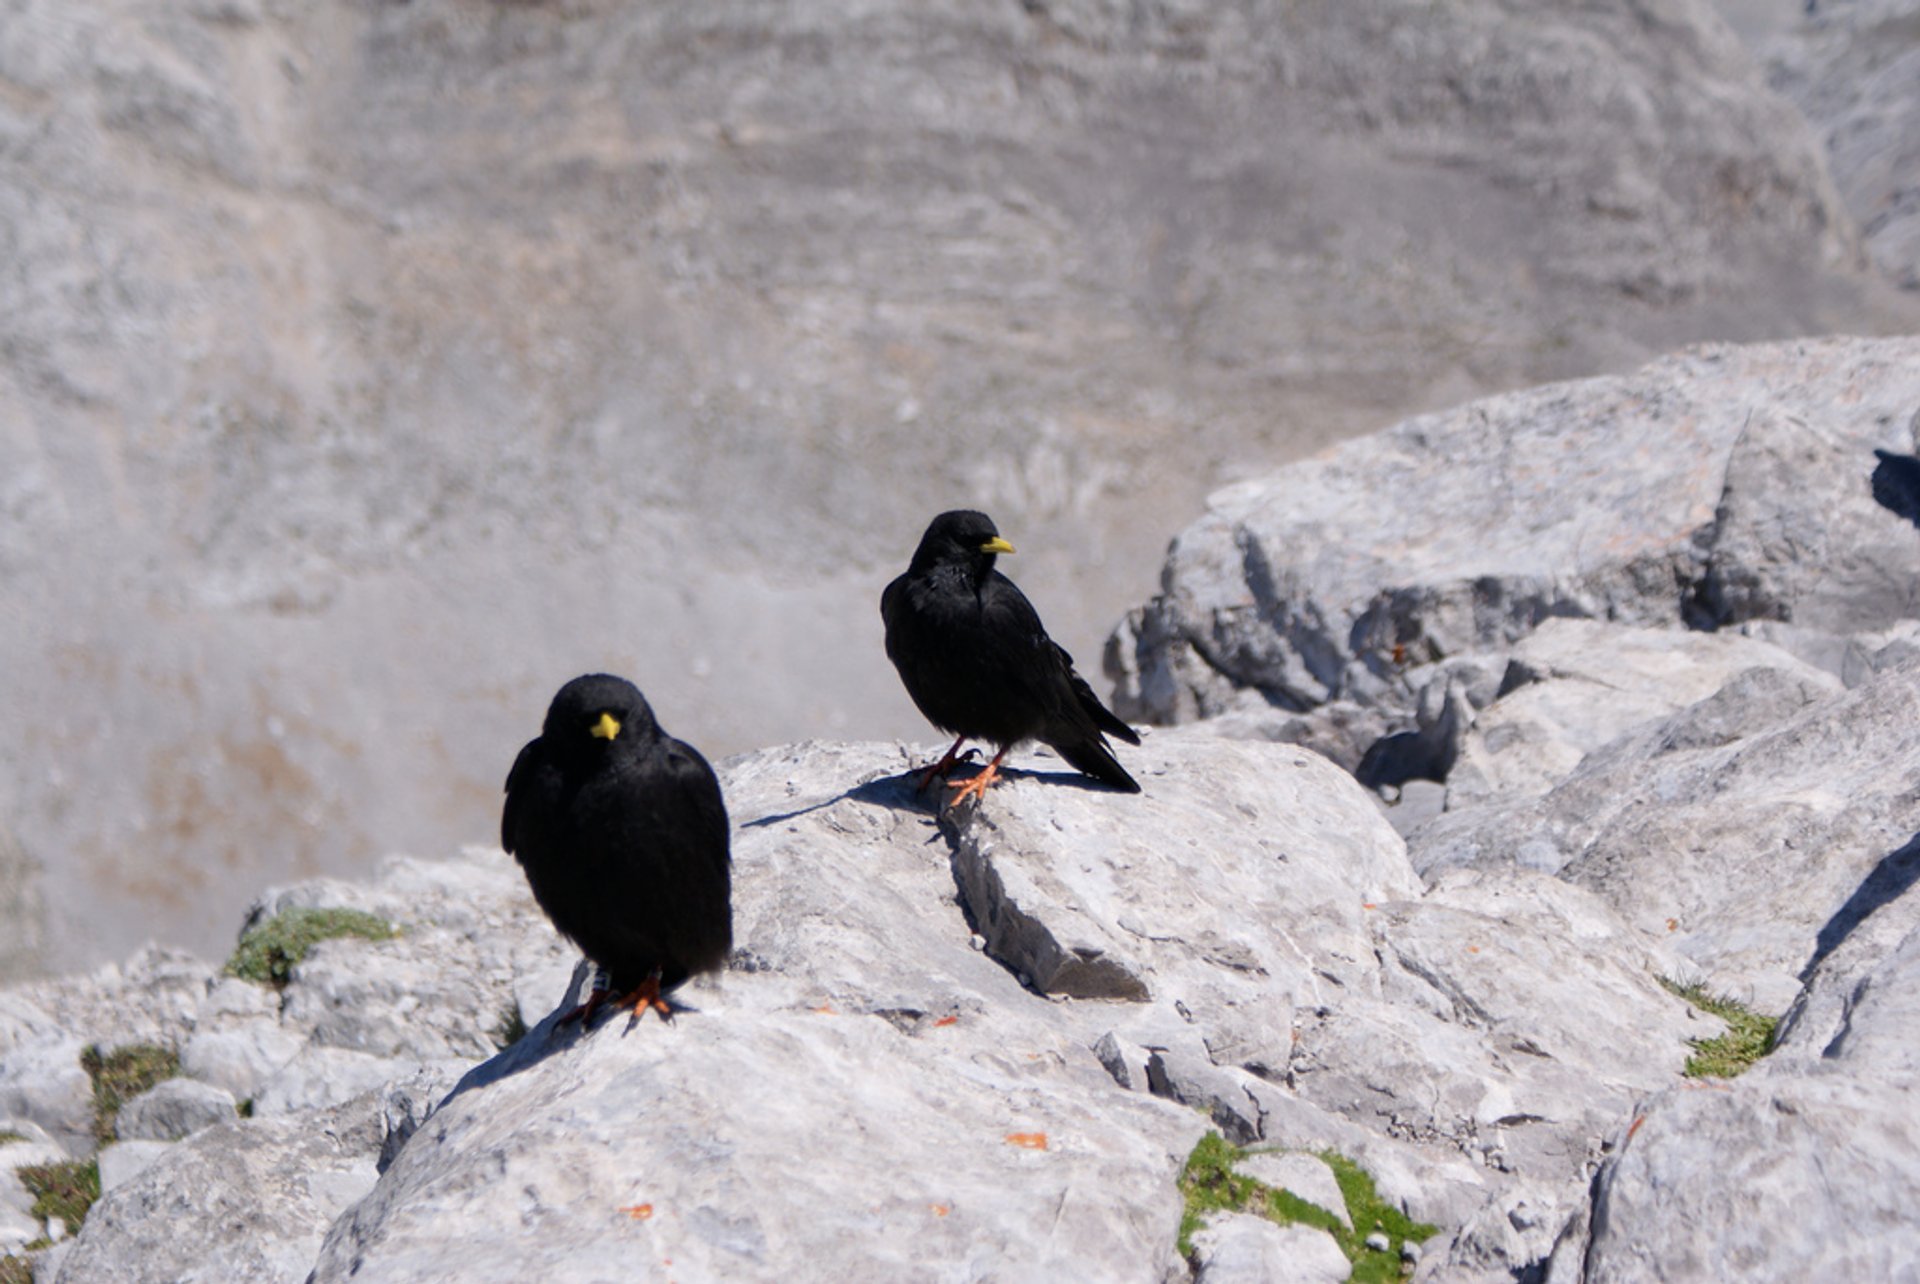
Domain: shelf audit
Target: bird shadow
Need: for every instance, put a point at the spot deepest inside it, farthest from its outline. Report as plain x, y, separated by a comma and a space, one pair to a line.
556, 1032
894, 792
901, 792
1889, 880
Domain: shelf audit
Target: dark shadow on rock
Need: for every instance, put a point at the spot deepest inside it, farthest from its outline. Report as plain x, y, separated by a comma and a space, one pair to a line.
1897, 871
895, 791
536, 1045
1896, 484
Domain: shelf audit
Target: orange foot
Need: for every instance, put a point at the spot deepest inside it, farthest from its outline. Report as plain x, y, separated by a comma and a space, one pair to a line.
644, 996
940, 768
976, 788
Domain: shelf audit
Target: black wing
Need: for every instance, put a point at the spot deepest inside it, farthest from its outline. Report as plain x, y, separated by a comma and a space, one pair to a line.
520, 781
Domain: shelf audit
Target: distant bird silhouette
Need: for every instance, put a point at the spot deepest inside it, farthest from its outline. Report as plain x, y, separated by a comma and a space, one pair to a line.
1896, 484
977, 661
623, 834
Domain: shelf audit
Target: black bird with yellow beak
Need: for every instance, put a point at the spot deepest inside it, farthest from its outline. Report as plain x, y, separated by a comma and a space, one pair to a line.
977, 661
623, 834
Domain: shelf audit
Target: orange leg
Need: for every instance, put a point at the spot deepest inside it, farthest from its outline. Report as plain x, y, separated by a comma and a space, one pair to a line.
643, 996
584, 1013
976, 788
940, 768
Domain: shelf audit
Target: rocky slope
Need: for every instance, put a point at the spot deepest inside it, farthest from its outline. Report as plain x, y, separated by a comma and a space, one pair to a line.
367, 369
1853, 70
985, 1043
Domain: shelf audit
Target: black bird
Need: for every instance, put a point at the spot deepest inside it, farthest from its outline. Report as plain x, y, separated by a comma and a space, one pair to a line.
978, 663
623, 834
1896, 484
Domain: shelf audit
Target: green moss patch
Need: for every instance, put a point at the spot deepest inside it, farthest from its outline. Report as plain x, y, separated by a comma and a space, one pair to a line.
9, 1135
269, 953
1749, 1034
121, 1075
64, 1190
1209, 1184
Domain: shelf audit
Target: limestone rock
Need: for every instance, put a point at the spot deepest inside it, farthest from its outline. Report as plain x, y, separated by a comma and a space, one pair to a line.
1305, 1175
43, 1082
122, 1161
247, 1200
1532, 505
1665, 821
880, 1042
1852, 69
1575, 685
1239, 1248
172, 1109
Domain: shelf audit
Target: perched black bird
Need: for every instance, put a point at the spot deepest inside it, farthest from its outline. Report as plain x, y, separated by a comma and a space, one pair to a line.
977, 661
623, 835
1896, 484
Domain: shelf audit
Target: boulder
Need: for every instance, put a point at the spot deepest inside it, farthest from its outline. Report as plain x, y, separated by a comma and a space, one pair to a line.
1806, 1167
43, 1083
248, 1200
1242, 1249
1741, 829
1532, 505
172, 1109
1307, 1176
1575, 685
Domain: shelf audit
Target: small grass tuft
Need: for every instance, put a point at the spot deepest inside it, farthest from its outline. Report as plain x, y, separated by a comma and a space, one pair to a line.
65, 1190
8, 1135
1209, 1184
1369, 1213
511, 1029
15, 1270
269, 953
121, 1075
1749, 1034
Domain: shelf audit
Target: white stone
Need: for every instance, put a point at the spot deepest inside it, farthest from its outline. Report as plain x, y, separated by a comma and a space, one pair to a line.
1240, 1248
172, 1109
1305, 1175
122, 1161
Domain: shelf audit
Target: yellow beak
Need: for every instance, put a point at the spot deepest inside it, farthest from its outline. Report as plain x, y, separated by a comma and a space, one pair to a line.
996, 545
607, 728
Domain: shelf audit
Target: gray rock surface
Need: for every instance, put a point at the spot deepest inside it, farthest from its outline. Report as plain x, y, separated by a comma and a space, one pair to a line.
249, 1200
1507, 512
1794, 809
1242, 1249
1305, 1175
1853, 70
1573, 686
172, 1109
42, 1082
352, 352
1803, 1168
122, 1161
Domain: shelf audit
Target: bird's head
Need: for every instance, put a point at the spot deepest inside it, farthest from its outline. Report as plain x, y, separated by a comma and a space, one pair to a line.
962, 537
594, 714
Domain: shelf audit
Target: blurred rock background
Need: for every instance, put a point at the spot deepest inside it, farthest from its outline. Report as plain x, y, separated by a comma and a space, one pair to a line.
367, 369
